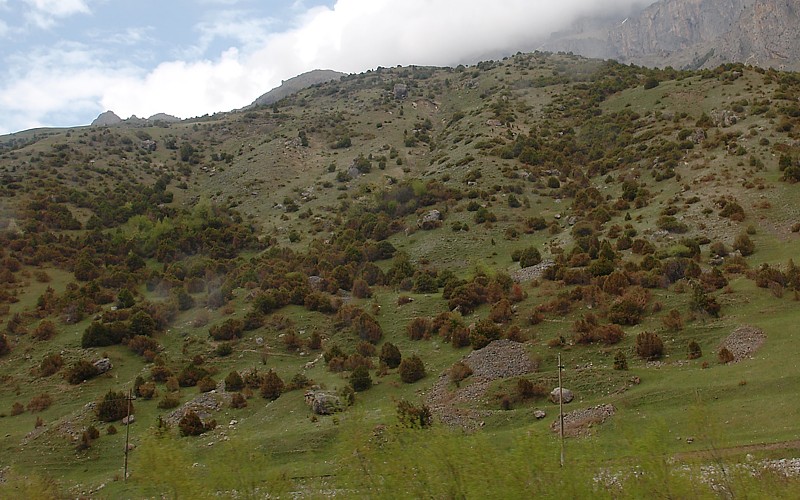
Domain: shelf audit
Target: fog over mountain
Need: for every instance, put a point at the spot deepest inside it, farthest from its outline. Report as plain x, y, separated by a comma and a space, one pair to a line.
691, 34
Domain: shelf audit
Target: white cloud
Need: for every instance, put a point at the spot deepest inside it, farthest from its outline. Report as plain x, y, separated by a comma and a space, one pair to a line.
240, 26
43, 13
58, 86
132, 36
353, 36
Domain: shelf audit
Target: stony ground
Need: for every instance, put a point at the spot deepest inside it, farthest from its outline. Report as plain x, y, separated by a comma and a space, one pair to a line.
744, 342
580, 422
500, 359
531, 273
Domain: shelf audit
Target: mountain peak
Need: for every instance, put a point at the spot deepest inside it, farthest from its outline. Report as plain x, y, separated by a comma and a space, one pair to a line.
296, 84
106, 118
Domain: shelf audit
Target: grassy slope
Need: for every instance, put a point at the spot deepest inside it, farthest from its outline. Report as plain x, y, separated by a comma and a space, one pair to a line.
681, 400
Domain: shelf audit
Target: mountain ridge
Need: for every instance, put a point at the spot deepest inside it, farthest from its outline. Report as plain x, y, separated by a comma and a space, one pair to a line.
296, 84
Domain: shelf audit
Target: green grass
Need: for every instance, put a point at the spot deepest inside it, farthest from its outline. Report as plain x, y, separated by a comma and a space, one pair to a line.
277, 447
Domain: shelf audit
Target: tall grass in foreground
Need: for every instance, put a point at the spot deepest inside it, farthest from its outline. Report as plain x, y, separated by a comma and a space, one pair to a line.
437, 463
442, 464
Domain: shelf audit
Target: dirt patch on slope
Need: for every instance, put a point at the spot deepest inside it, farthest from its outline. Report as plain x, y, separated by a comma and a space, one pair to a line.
744, 342
500, 359
580, 422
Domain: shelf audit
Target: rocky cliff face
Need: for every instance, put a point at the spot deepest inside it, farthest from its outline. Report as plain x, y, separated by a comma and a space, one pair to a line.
769, 35
674, 25
695, 33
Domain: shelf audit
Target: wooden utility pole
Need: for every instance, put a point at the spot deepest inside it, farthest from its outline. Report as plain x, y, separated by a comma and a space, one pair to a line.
127, 435
561, 408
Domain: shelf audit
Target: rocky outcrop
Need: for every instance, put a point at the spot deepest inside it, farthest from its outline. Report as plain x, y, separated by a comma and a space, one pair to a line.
103, 365
109, 118
560, 392
670, 26
323, 403
768, 35
163, 117
105, 119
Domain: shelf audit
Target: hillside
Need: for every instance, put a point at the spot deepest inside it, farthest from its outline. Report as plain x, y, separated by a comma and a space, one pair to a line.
413, 247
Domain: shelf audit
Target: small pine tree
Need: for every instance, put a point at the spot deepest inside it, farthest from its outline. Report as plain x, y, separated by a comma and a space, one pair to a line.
191, 425
238, 401
367, 328
113, 406
361, 289
5, 346
92, 432
484, 333
744, 244
412, 369
234, 382
125, 299
272, 386
360, 379
694, 350
85, 443
649, 346
530, 257
620, 360
725, 355
315, 342
206, 384
390, 355
459, 371
412, 416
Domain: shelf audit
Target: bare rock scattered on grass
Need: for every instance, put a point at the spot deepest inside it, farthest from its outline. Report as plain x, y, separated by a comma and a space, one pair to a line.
103, 365
743, 342
579, 422
499, 359
323, 403
203, 405
531, 273
559, 392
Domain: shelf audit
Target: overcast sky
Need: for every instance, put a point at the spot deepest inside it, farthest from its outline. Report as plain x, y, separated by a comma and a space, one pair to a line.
66, 61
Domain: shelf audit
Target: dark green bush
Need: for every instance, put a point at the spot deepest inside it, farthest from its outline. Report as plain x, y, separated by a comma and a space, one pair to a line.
620, 360
412, 416
649, 346
694, 350
113, 406
360, 379
412, 369
80, 371
234, 382
390, 355
50, 364
272, 386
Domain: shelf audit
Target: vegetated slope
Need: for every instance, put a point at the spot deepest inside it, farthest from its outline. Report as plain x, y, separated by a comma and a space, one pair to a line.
260, 253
